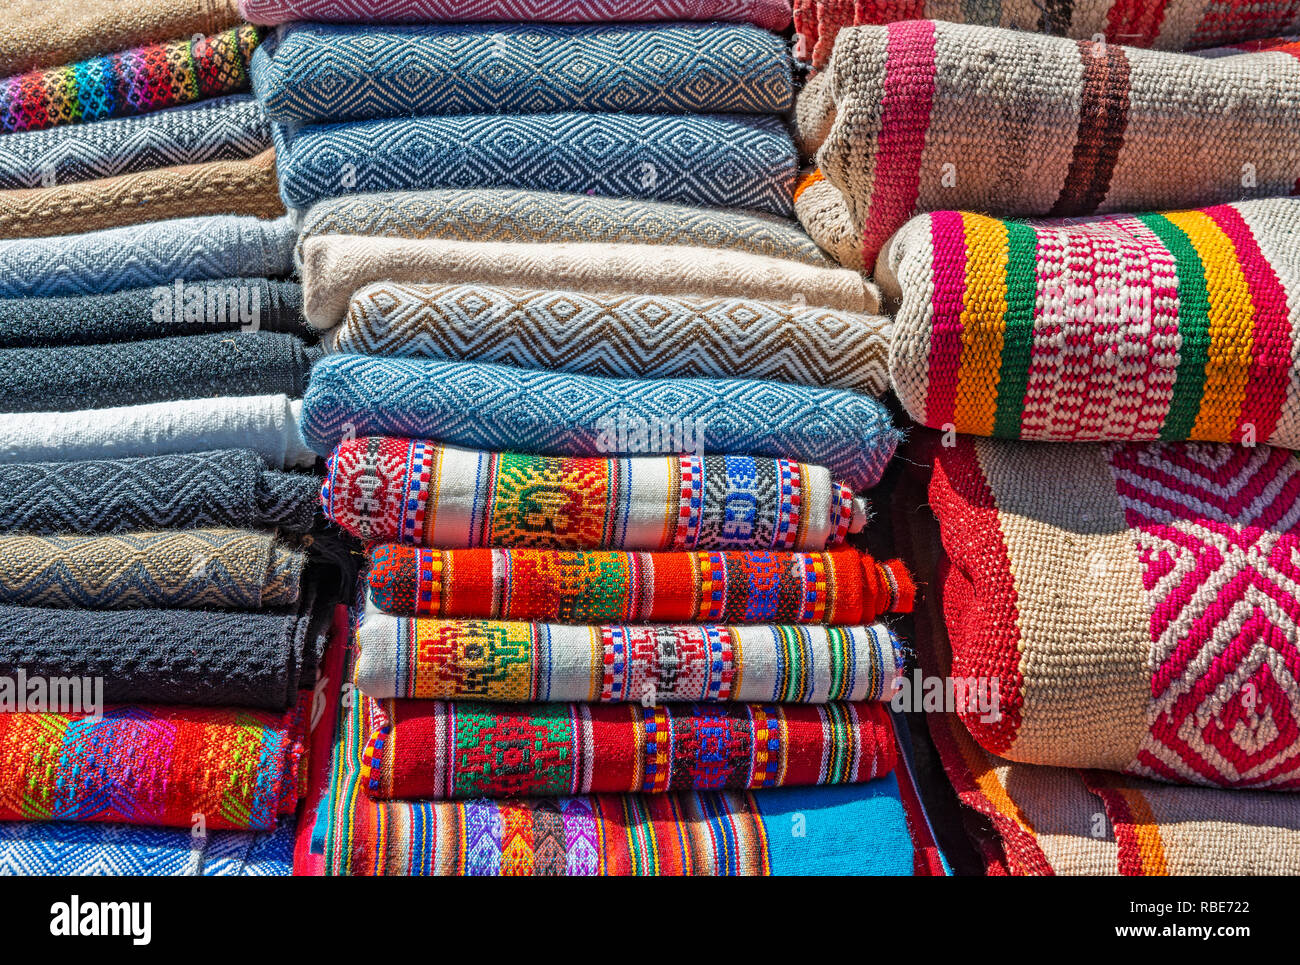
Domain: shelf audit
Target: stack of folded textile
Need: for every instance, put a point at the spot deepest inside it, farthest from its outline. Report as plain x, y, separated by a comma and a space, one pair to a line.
162, 621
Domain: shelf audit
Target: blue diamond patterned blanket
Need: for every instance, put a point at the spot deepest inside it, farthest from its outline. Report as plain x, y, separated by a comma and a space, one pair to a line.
498, 407
318, 72
725, 160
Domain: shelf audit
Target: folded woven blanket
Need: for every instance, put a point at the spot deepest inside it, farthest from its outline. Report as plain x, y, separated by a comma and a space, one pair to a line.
725, 160
149, 764
408, 490
139, 256
224, 569
1169, 326
190, 491
843, 586
771, 14
508, 750
135, 81
224, 129
130, 373
317, 72
334, 267
476, 660
242, 187
46, 33
620, 335
821, 210
163, 310
266, 424
1136, 606
924, 116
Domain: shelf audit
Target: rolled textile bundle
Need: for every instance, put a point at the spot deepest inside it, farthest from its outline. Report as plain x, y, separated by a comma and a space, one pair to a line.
159, 253
1170, 326
152, 764
184, 491
509, 215
322, 73
726, 160
336, 266
935, 116
266, 424
241, 187
412, 491
544, 750
131, 373
820, 208
224, 129
176, 308
136, 81
840, 586
480, 660
46, 33
224, 569
620, 335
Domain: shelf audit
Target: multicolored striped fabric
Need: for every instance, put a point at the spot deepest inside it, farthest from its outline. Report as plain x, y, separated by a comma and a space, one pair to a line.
445, 751
427, 658
1175, 326
412, 491
133, 82
842, 586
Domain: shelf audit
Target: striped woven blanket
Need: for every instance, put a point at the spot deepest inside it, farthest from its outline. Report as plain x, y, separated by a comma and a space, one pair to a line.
1173, 326
317, 72
416, 492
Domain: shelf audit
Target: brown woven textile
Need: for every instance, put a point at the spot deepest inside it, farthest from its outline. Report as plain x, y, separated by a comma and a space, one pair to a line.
820, 208
246, 187
49, 33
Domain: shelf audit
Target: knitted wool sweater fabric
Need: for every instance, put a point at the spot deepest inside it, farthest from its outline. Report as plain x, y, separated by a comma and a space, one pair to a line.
242, 187
266, 424
317, 72
130, 373
1173, 326
637, 336
500, 407
726, 160
187, 491
1009, 124
158, 253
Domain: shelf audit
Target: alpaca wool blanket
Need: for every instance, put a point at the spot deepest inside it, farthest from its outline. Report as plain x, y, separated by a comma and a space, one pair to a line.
334, 267
1136, 605
266, 424
131, 373
620, 335
321, 73
1174, 326
182, 491
842, 586
224, 129
723, 160
140, 256
821, 210
243, 187
221, 569
481, 660
192, 308
499, 407
924, 116
155, 765
417, 492
136, 81
444, 751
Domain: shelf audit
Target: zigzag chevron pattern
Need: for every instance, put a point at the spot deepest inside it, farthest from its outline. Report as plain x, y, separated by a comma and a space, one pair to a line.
727, 160
1218, 537
502, 408
508, 215
620, 335
227, 129
318, 73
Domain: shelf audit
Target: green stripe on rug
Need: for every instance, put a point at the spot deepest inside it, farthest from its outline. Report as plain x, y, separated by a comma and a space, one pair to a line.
1018, 337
